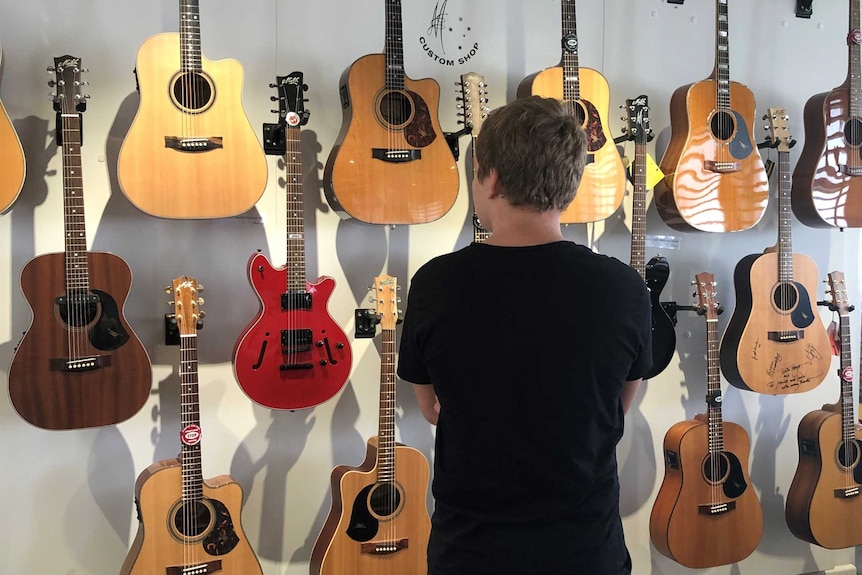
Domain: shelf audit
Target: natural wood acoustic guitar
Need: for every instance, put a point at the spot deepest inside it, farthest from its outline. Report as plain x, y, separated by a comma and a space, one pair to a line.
191, 152
378, 523
12, 163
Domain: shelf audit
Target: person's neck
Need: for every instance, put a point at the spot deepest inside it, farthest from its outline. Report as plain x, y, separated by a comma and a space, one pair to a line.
520, 227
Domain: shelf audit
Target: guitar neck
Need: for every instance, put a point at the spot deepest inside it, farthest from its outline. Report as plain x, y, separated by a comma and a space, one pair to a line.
848, 427
386, 426
785, 243
480, 234
74, 220
854, 39
713, 388
722, 56
190, 36
190, 455
295, 216
394, 47
571, 76
638, 257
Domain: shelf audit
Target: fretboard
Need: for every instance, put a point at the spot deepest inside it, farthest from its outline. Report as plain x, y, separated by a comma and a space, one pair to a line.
638, 259
386, 427
713, 387
295, 205
394, 46
722, 56
855, 66
190, 456
74, 222
190, 36
480, 234
571, 78
848, 427
785, 243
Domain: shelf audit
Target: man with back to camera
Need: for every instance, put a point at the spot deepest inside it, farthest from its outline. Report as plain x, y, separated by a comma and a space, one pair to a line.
526, 352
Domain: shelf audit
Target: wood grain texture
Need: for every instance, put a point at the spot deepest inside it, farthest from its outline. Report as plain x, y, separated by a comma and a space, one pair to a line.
603, 183
12, 163
168, 183
378, 192
677, 528
694, 198
335, 553
54, 399
154, 549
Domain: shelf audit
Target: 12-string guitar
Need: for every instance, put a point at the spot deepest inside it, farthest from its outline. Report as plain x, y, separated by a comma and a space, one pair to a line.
775, 342
190, 152
706, 512
12, 163
378, 523
824, 504
188, 526
292, 355
714, 177
587, 94
79, 364
473, 106
391, 163
827, 180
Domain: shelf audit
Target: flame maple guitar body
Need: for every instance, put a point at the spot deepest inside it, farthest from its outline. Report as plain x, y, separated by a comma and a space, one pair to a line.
12, 163
357, 541
290, 358
679, 526
222, 177
695, 197
108, 392
217, 544
603, 184
824, 504
753, 354
358, 182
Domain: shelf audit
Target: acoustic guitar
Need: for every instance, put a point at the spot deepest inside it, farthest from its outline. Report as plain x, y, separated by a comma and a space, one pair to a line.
473, 107
292, 355
824, 504
378, 523
827, 180
656, 272
190, 152
706, 512
775, 342
586, 92
390, 163
79, 363
188, 525
12, 163
714, 177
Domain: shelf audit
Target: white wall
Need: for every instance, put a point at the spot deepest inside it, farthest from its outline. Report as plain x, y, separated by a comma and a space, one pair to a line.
67, 496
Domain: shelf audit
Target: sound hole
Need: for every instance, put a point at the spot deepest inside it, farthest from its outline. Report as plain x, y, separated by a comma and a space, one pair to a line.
722, 125
785, 296
192, 92
853, 132
715, 468
576, 108
848, 454
384, 499
192, 519
78, 310
396, 108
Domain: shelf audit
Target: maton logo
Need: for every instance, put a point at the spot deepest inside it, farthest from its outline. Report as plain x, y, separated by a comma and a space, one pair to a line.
447, 40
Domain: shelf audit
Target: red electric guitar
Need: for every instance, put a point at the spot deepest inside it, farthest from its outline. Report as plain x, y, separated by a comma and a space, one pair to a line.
292, 355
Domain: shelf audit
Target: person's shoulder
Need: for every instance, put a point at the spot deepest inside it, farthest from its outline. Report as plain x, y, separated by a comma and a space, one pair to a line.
444, 262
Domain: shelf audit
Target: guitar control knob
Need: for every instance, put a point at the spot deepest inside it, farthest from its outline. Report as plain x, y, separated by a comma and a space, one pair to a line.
320, 343
323, 362
339, 345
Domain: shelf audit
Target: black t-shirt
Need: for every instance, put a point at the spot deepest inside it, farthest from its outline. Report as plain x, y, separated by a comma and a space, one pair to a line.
527, 349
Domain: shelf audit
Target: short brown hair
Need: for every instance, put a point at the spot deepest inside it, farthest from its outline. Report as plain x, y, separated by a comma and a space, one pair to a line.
538, 148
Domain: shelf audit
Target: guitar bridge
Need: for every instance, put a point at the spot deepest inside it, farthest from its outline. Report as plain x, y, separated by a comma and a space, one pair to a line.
384, 547
193, 144
722, 167
396, 156
787, 336
846, 492
200, 569
850, 170
81, 363
713, 509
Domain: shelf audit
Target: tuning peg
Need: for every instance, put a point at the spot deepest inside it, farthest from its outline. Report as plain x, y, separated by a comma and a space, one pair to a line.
84, 70
201, 301
305, 87
167, 289
271, 85
171, 302
200, 287
273, 99
51, 69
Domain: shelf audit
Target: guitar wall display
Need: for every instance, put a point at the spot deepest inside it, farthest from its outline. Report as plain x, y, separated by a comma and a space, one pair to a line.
824, 504
378, 523
775, 342
473, 107
827, 180
587, 93
714, 177
656, 272
12, 162
292, 355
188, 525
79, 363
191, 152
391, 163
706, 512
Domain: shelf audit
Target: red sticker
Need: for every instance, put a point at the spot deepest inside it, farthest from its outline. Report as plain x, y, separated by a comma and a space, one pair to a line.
854, 37
847, 373
191, 435
292, 118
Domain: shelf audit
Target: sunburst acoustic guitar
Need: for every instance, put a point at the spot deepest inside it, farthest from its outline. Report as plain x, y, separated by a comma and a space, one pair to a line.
190, 152
12, 162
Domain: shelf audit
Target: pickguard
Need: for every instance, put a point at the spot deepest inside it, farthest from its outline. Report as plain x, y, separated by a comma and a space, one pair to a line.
740, 146
108, 333
802, 315
735, 484
223, 538
363, 525
419, 133
593, 127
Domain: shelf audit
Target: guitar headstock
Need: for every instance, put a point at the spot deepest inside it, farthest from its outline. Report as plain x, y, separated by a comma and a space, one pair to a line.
291, 99
838, 290
68, 99
779, 133
473, 101
706, 304
637, 120
386, 301
187, 302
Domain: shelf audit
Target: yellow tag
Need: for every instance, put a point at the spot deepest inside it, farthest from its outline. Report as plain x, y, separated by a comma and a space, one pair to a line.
653, 173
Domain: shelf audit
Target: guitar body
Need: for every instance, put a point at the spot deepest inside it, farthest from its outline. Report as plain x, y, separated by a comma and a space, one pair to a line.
12, 164
51, 397
823, 193
663, 328
352, 530
225, 175
378, 191
693, 197
827, 466
603, 184
215, 541
679, 526
320, 356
